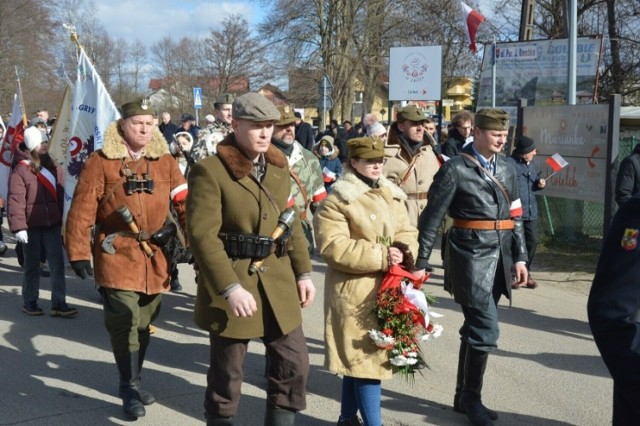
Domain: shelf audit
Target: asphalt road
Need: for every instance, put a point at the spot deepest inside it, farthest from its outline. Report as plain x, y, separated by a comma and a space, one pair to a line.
58, 371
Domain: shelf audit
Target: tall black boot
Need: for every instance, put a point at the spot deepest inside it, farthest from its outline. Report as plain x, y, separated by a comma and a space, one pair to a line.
276, 416
147, 398
129, 384
470, 400
462, 353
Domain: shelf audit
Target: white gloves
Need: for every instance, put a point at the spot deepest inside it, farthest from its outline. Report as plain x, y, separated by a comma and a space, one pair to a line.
22, 236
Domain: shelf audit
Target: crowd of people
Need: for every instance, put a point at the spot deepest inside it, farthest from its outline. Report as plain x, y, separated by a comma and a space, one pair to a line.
247, 198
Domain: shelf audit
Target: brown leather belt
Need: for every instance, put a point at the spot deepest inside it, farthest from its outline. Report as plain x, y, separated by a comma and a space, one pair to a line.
484, 224
416, 195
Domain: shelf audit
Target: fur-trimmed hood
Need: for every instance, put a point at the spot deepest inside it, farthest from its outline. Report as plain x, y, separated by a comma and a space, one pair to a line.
350, 187
114, 148
333, 153
238, 164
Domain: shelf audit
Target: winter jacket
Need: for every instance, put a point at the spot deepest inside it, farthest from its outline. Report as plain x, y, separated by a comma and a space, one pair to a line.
454, 143
353, 228
128, 267
528, 179
224, 198
329, 164
420, 177
628, 178
30, 204
472, 256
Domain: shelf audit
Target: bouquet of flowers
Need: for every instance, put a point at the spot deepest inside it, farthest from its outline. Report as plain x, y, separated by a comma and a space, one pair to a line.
404, 320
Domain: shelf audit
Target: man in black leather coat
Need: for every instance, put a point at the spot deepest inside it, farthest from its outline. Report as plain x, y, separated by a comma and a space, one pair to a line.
485, 241
614, 310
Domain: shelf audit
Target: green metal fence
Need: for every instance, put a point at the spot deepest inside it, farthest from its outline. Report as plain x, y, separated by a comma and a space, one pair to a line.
572, 220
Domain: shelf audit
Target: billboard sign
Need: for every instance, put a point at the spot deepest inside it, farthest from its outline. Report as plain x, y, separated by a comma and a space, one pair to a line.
415, 73
538, 72
579, 133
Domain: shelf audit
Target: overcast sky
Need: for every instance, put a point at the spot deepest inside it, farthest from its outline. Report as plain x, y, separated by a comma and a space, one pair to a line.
151, 20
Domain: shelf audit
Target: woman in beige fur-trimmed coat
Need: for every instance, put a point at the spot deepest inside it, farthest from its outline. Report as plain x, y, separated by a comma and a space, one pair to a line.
354, 227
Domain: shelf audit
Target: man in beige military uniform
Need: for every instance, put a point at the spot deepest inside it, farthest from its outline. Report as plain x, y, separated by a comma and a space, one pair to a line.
210, 136
410, 161
237, 198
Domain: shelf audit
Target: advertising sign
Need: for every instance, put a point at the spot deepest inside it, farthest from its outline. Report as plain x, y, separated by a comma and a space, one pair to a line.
538, 72
579, 134
415, 73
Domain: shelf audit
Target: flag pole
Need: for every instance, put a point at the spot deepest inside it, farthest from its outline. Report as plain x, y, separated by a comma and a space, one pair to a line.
21, 99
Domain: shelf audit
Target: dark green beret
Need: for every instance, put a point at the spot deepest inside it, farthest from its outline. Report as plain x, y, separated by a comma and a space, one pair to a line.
492, 119
253, 106
366, 148
137, 107
411, 113
224, 98
286, 116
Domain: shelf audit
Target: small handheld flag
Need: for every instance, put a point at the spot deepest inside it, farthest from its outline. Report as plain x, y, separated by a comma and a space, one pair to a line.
557, 163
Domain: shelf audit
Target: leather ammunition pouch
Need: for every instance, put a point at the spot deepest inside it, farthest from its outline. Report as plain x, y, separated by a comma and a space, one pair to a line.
162, 236
252, 246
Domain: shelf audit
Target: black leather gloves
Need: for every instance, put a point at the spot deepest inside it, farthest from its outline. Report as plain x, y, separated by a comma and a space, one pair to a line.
82, 268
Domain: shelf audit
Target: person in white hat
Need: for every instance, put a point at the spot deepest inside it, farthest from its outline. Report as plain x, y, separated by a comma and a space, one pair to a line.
35, 203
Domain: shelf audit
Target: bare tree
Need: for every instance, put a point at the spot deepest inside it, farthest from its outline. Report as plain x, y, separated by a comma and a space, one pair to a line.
231, 53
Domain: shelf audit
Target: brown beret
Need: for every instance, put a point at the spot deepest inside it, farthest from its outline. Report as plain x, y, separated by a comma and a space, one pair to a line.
286, 116
492, 119
412, 113
253, 106
366, 148
137, 107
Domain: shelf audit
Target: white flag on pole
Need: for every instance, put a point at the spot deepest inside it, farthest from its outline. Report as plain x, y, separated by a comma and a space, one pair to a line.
92, 110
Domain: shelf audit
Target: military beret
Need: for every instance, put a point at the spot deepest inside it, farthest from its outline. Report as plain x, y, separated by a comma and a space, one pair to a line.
224, 98
253, 106
137, 107
411, 113
286, 116
492, 119
366, 147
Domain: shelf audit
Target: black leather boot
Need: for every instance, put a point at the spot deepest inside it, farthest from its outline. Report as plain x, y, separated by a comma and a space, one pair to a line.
470, 400
351, 421
276, 416
147, 398
129, 384
457, 407
462, 353
218, 421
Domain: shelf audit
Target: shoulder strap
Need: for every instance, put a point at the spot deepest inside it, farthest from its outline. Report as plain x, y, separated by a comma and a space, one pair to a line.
490, 175
296, 178
267, 193
407, 172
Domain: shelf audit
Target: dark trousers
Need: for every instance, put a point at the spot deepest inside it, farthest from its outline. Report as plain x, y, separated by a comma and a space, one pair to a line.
286, 378
480, 328
530, 238
127, 315
626, 407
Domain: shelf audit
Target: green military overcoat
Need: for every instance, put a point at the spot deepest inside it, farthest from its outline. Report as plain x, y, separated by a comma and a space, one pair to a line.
223, 197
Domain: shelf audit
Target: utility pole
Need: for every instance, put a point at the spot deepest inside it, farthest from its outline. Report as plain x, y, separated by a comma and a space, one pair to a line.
526, 20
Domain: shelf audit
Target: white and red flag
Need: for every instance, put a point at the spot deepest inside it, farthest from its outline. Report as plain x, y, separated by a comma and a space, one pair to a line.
328, 176
556, 162
515, 209
92, 111
12, 138
471, 20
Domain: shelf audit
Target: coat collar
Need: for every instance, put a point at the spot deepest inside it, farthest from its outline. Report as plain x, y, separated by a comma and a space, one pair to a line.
238, 164
349, 187
114, 148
